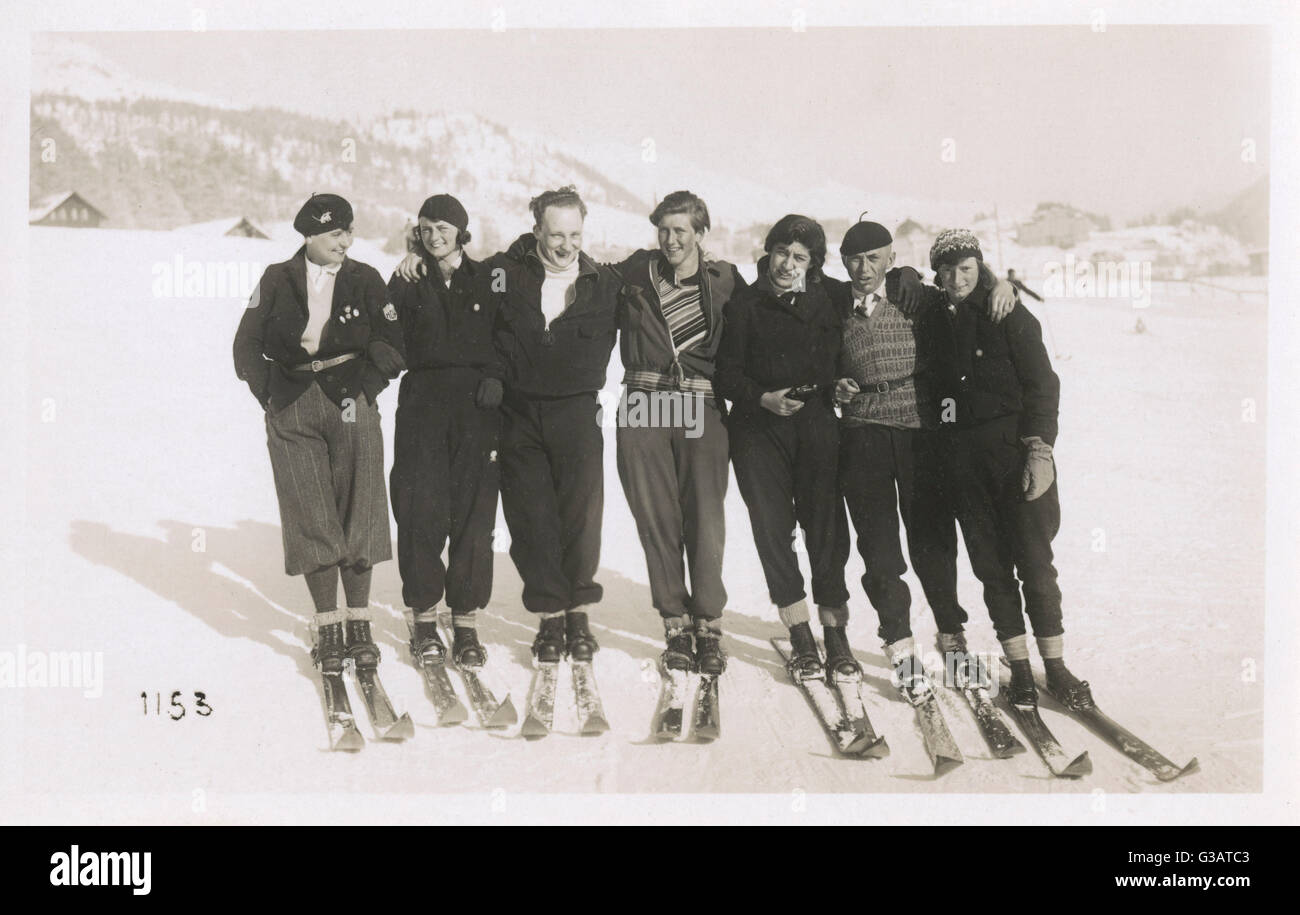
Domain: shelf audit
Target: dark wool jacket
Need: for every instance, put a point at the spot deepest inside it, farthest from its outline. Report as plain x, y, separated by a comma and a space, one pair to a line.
995, 370
268, 343
645, 343
448, 326
570, 358
771, 342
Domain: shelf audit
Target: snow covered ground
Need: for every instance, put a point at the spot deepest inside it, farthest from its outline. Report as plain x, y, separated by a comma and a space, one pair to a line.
151, 536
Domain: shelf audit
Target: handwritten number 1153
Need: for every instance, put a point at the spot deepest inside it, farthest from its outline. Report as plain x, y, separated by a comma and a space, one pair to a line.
176, 708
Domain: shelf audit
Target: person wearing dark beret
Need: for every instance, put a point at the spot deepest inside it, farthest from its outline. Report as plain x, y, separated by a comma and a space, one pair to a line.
889, 462
998, 461
318, 342
446, 476
776, 364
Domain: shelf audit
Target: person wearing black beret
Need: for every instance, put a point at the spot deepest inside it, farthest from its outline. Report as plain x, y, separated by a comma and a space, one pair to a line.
318, 342
889, 459
1000, 468
446, 475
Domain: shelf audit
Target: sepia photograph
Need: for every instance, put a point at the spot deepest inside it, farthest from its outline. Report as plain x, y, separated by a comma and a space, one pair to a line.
649, 413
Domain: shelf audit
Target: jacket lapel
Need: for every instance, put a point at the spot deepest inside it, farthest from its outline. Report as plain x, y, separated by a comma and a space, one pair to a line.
298, 279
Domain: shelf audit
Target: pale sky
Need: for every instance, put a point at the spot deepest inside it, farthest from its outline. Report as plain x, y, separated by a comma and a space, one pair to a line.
1130, 120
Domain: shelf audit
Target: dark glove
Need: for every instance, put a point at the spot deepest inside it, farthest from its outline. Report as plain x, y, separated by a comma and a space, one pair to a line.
903, 289
385, 358
490, 393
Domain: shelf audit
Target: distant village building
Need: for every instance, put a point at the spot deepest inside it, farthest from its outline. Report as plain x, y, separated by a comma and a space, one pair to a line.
1258, 260
66, 208
232, 226
912, 243
1055, 225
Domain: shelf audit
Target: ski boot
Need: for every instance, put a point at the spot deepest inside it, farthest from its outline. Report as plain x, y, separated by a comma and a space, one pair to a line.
329, 652
361, 647
839, 657
548, 647
680, 651
426, 644
710, 659
1021, 689
805, 661
579, 642
910, 677
960, 667
1073, 693
466, 651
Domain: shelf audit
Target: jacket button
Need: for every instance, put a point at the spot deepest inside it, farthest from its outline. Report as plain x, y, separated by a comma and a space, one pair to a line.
476, 306
979, 352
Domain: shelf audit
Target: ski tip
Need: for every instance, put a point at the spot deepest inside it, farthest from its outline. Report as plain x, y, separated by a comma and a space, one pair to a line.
504, 716
945, 764
669, 725
876, 749
402, 729
1015, 748
594, 725
534, 728
350, 741
1081, 766
1193, 766
456, 713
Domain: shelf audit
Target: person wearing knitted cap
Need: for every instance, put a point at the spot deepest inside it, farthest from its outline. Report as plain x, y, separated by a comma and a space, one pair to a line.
889, 460
445, 474
318, 342
776, 364
999, 466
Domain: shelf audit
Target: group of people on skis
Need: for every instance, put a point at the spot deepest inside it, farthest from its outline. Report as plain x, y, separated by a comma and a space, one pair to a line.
869, 400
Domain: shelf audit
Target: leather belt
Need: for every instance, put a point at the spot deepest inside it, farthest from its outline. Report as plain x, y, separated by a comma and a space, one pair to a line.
884, 387
320, 365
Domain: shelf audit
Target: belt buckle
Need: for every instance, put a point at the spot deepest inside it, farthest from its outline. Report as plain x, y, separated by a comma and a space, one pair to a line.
317, 365
882, 387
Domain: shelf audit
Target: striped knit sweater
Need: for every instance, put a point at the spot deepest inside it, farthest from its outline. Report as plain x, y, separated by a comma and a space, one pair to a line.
880, 351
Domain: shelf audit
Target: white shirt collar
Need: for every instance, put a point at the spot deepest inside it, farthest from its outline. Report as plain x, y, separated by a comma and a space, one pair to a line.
869, 301
316, 273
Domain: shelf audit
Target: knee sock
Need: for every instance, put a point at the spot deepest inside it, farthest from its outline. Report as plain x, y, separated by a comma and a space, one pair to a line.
1016, 648
324, 587
833, 616
465, 620
793, 614
1051, 647
356, 584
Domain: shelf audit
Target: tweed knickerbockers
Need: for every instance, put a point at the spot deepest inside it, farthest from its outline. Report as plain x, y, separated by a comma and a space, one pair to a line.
329, 479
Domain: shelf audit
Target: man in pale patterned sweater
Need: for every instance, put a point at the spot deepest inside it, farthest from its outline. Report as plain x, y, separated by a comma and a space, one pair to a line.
889, 461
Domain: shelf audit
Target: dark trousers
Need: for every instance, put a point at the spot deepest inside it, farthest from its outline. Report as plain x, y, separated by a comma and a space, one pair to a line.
886, 473
675, 484
786, 468
444, 483
553, 494
1004, 534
